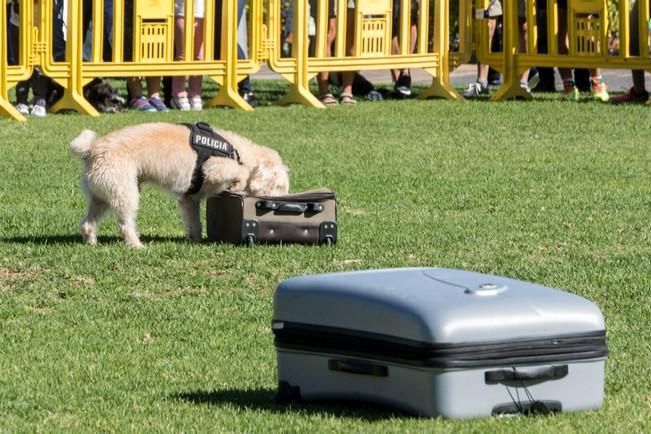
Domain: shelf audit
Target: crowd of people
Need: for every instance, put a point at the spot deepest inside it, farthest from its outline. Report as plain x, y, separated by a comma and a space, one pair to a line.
186, 93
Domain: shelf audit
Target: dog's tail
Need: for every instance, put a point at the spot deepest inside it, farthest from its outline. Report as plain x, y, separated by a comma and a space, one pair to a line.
80, 146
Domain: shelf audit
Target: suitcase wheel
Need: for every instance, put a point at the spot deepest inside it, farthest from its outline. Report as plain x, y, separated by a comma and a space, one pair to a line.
328, 240
249, 241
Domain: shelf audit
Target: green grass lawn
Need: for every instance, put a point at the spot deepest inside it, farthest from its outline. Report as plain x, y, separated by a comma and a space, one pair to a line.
176, 337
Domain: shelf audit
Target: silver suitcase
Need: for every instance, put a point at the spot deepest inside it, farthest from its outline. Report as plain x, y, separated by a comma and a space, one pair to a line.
438, 342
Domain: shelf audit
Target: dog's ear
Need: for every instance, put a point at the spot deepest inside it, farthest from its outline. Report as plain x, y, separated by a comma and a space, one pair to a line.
222, 173
269, 178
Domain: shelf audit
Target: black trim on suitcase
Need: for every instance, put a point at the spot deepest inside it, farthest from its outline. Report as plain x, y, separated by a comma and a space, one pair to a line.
527, 407
340, 341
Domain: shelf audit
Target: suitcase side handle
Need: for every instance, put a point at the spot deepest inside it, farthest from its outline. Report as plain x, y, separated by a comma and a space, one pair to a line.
358, 367
289, 207
553, 372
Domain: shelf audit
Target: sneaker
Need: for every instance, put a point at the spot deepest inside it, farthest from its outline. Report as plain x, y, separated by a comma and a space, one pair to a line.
250, 98
599, 89
374, 95
158, 104
525, 87
631, 96
403, 85
39, 109
474, 90
23, 109
534, 79
570, 92
196, 104
181, 103
141, 104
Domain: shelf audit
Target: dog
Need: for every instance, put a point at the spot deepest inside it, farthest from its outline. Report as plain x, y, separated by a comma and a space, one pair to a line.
104, 97
116, 164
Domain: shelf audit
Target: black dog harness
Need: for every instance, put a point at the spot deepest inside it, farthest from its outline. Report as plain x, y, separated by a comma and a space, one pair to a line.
207, 143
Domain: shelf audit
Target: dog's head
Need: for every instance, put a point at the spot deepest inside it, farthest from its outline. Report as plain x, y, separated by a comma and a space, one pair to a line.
269, 178
104, 98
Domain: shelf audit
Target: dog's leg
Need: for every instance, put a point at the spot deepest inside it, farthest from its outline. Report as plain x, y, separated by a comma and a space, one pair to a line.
96, 210
191, 212
125, 205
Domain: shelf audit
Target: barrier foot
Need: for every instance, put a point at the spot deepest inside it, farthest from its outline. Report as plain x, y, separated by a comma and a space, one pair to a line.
511, 91
9, 111
227, 97
300, 95
439, 90
72, 100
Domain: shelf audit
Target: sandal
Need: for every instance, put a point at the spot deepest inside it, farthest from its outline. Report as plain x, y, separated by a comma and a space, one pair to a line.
328, 99
347, 99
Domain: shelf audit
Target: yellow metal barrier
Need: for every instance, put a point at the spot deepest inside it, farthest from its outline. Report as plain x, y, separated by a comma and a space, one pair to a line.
152, 43
373, 39
10, 75
150, 46
587, 24
154, 38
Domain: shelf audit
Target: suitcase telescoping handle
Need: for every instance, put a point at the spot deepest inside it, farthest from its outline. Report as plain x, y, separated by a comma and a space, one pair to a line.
359, 367
289, 207
553, 372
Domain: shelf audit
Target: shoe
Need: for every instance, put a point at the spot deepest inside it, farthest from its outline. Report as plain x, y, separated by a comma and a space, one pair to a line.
39, 109
196, 104
347, 99
374, 95
599, 89
525, 87
158, 104
141, 104
570, 92
403, 85
328, 100
534, 79
631, 96
474, 90
181, 103
250, 98
23, 109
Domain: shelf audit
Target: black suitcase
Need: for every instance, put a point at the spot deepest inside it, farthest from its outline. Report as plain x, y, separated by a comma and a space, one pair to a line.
307, 218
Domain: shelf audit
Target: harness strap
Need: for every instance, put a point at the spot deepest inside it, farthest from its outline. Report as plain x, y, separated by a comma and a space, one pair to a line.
207, 143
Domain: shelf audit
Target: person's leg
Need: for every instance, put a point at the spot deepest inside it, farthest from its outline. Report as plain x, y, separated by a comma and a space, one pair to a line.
153, 90
244, 87
401, 77
108, 31
598, 88
480, 86
348, 76
322, 78
570, 91
178, 81
196, 81
638, 92
524, 78
138, 100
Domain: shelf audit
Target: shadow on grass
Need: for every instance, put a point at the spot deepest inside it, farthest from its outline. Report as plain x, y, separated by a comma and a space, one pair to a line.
72, 239
265, 399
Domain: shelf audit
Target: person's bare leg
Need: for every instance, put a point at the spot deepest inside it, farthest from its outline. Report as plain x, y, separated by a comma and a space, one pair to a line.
323, 77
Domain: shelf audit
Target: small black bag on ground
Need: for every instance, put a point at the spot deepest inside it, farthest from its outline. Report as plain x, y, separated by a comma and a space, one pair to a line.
307, 218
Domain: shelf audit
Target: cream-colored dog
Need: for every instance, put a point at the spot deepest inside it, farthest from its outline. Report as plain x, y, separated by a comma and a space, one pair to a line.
116, 164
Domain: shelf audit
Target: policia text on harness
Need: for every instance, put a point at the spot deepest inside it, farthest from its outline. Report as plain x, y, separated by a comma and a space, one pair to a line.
207, 143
